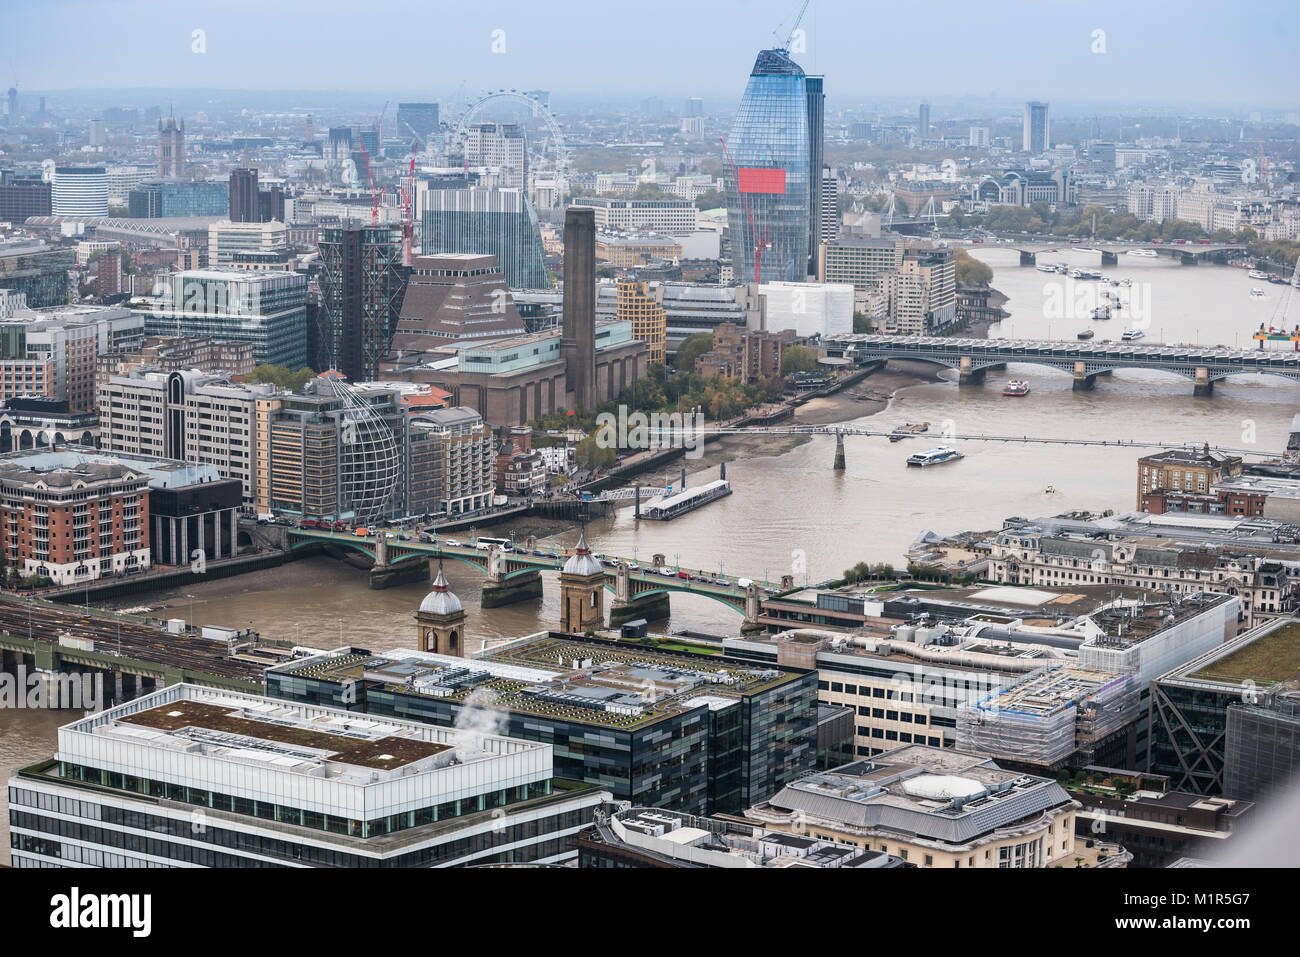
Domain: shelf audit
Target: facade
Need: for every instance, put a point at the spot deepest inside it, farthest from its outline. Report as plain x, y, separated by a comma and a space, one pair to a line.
39, 422
463, 454
776, 147
922, 295
232, 357
243, 196
863, 263
650, 215
1229, 688
23, 196
497, 222
932, 807
746, 354
829, 229
650, 727
649, 322
1036, 136
362, 282
263, 308
177, 198
1049, 557
226, 239
36, 271
54, 353
810, 309
171, 148
185, 415
418, 120
520, 469
500, 145
79, 191
626, 252
1184, 470
280, 785
72, 517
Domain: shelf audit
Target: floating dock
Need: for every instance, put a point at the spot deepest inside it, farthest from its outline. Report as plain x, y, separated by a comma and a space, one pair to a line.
671, 506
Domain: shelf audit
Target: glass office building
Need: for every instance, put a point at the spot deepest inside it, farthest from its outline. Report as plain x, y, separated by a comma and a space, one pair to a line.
658, 729
774, 188
496, 222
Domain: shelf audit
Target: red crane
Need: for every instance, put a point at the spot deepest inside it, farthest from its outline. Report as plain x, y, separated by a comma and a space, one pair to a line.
374, 196
408, 192
759, 243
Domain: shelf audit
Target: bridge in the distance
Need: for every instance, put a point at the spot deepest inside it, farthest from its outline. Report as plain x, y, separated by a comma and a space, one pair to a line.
1188, 253
1204, 365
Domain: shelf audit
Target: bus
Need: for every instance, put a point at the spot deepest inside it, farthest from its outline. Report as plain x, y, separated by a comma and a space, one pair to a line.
489, 543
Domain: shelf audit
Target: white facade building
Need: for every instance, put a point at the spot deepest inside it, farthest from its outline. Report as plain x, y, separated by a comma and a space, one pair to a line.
809, 308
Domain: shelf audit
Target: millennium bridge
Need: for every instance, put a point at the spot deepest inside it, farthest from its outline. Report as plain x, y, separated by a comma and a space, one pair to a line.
1204, 365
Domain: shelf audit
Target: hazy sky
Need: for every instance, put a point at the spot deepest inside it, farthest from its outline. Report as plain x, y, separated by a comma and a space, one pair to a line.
1205, 51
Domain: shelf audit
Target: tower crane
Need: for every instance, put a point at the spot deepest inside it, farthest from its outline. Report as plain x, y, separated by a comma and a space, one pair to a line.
793, 27
759, 243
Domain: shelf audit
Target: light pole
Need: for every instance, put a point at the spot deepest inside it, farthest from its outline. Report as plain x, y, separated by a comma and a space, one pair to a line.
340, 632
191, 598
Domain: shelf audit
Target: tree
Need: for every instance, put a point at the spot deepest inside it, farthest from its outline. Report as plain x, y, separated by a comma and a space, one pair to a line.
590, 455
861, 323
692, 348
713, 199
281, 376
970, 271
798, 359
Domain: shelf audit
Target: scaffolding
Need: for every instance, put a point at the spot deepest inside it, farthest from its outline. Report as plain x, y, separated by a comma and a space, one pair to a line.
1049, 715
1261, 754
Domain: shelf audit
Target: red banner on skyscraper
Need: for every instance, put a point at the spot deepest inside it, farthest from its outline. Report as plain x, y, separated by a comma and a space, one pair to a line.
761, 180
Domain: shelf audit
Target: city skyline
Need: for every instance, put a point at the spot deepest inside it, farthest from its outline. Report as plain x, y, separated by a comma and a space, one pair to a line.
1085, 54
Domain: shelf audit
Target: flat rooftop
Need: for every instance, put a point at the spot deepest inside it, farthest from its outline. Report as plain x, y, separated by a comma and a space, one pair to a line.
607, 684
1271, 658
365, 744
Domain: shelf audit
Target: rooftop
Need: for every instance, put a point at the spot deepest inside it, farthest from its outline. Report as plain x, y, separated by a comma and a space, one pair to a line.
1271, 657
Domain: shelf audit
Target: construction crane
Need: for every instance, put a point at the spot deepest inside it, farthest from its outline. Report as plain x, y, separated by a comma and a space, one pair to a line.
374, 196
759, 244
379, 123
793, 27
407, 193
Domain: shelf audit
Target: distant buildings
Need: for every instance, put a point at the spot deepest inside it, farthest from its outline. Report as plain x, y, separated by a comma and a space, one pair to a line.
452, 298
496, 222
1183, 470
232, 357
37, 271
54, 353
501, 145
746, 354
23, 196
810, 309
171, 148
79, 191
226, 239
1020, 187
177, 198
1036, 134
922, 294
649, 215
418, 121
776, 146
520, 469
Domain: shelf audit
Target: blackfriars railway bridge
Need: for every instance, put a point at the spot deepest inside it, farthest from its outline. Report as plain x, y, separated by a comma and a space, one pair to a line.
972, 358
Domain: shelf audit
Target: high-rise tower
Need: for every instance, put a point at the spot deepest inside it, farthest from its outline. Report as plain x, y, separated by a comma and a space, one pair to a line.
776, 147
171, 148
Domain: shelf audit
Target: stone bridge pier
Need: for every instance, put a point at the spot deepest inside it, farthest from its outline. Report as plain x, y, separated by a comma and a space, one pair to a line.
1027, 258
1203, 384
1084, 380
627, 606
1109, 258
498, 589
753, 606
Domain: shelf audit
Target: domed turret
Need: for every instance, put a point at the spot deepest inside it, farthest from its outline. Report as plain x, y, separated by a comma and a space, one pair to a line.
441, 601
581, 561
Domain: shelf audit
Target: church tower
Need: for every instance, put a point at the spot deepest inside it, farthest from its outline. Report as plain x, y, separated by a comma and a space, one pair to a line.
440, 622
582, 591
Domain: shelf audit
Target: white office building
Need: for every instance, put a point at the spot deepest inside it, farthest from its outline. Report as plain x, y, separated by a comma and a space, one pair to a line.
79, 191
197, 777
809, 308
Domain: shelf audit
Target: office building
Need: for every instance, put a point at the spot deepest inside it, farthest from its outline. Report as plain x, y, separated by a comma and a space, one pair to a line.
1184, 470
54, 353
266, 309
630, 251
934, 808
829, 229
362, 282
191, 416
1237, 694
233, 357
23, 196
171, 148
37, 421
655, 728
923, 121
922, 294
198, 777
462, 453
226, 239
243, 196
863, 262
1037, 128
482, 221
79, 191
649, 324
776, 147
660, 838
177, 198
649, 215
73, 517
418, 121
501, 145
978, 138
810, 309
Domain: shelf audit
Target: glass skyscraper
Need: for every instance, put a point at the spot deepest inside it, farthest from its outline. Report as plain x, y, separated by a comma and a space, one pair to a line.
776, 146
496, 222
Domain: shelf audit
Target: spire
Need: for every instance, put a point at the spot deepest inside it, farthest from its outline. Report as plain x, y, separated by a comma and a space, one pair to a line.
440, 583
582, 548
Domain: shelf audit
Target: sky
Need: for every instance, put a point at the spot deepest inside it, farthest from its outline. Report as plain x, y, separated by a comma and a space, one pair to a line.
1240, 55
